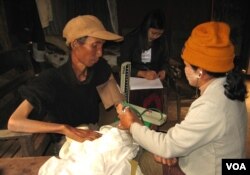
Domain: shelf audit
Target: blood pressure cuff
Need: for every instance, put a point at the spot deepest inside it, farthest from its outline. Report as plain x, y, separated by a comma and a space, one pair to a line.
110, 93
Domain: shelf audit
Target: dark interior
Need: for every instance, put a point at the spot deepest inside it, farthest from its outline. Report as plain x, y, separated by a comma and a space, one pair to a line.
20, 28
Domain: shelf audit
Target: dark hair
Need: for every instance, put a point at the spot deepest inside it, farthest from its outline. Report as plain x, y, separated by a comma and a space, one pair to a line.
235, 88
154, 19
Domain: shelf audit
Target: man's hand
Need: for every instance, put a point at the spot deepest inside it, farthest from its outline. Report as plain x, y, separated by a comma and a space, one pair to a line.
81, 135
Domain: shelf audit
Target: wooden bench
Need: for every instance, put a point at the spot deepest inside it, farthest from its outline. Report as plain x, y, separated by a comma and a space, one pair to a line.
22, 166
22, 144
15, 70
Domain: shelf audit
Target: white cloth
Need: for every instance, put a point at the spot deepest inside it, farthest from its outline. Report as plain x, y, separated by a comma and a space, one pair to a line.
108, 155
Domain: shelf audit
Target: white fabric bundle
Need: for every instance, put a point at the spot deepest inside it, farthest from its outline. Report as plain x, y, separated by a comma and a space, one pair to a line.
108, 155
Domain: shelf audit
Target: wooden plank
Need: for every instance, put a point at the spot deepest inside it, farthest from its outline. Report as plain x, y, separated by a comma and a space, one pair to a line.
14, 148
4, 146
7, 134
16, 82
26, 144
42, 141
22, 166
9, 148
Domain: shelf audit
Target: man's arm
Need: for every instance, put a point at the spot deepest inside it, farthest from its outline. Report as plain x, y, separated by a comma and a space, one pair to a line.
19, 122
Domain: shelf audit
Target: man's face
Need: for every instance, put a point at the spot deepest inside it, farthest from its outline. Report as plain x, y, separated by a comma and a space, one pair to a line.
89, 52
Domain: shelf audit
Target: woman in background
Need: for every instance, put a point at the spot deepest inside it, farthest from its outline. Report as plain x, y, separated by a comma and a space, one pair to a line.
146, 47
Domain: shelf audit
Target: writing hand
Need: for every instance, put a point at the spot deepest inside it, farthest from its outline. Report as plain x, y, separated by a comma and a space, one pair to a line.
162, 74
151, 75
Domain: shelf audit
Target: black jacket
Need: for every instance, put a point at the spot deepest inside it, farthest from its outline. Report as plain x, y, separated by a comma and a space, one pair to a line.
131, 51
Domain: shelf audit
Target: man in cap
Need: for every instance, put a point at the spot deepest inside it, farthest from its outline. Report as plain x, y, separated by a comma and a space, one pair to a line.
70, 95
215, 126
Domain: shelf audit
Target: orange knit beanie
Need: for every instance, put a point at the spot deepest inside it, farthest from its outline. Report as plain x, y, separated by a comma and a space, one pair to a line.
209, 47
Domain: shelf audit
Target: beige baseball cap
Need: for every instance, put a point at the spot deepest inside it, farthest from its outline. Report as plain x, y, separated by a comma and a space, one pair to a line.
87, 25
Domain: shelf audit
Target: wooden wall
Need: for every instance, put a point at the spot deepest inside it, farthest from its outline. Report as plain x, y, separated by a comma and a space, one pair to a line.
184, 15
181, 16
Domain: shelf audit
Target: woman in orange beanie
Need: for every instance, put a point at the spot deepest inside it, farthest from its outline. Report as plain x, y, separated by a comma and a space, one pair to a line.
216, 123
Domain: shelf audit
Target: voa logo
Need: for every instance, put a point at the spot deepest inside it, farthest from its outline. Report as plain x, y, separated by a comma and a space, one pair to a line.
236, 166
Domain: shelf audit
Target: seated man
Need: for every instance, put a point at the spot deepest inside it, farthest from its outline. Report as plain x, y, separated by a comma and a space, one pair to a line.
68, 95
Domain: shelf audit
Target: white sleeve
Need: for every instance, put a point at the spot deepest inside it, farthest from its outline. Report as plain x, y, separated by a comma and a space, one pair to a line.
198, 128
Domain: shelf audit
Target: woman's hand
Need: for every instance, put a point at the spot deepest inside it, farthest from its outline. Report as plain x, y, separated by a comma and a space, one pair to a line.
162, 74
162, 160
80, 135
127, 117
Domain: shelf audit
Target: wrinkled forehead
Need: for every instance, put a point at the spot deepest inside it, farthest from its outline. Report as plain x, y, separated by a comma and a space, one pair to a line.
89, 40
